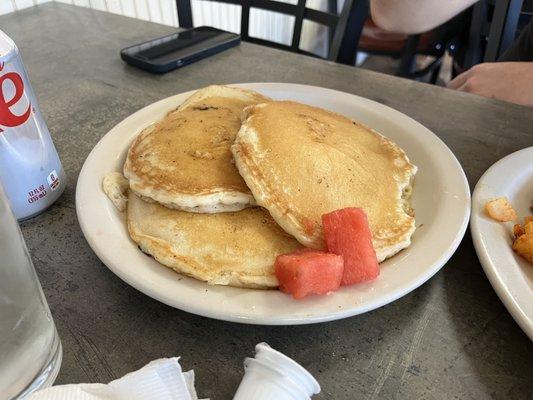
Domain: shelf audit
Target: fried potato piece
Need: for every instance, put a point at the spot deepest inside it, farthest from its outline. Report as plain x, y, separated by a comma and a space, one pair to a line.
523, 245
518, 230
528, 228
500, 209
527, 220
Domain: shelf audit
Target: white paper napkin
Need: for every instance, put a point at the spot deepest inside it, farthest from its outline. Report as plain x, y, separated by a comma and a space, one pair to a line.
161, 379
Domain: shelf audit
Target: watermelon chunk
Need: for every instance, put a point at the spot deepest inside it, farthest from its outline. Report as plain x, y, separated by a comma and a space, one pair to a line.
347, 233
307, 271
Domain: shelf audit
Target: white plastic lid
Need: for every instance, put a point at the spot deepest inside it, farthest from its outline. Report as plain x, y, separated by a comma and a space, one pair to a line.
288, 367
279, 386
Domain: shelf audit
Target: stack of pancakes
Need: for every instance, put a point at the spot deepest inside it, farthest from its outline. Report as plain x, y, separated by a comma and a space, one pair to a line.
231, 179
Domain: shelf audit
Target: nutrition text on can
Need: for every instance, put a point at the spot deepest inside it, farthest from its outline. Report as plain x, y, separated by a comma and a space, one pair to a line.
30, 169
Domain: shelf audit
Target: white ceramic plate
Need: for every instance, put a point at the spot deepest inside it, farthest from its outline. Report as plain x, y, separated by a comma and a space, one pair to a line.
510, 275
441, 200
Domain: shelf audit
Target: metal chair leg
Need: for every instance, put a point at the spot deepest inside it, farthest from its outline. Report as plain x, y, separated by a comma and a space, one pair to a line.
332, 9
435, 73
407, 62
344, 45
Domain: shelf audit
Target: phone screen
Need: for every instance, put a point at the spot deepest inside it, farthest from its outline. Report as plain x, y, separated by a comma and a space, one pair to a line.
178, 45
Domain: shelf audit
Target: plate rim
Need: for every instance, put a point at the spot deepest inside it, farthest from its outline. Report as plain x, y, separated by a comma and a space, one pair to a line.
502, 290
269, 320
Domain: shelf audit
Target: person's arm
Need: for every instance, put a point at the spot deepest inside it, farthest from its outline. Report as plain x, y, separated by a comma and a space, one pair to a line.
415, 16
508, 81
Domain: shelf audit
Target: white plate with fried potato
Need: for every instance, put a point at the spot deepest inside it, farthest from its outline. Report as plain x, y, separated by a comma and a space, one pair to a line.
508, 270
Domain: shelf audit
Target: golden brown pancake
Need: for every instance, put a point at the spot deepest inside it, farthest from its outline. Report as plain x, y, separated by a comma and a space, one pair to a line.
184, 161
301, 162
231, 248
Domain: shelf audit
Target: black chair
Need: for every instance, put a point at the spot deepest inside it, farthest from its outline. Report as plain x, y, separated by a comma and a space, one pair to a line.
480, 34
345, 27
405, 48
492, 30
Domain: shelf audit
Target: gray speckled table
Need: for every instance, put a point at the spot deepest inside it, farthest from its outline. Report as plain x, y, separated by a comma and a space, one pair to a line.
450, 339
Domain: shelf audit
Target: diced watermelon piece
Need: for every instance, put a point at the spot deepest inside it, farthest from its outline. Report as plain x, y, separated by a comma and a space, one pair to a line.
347, 233
307, 271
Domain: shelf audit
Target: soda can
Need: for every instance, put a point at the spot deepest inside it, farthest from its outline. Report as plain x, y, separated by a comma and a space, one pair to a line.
30, 169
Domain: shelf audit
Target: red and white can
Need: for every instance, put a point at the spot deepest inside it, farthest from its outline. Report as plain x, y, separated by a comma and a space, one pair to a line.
30, 170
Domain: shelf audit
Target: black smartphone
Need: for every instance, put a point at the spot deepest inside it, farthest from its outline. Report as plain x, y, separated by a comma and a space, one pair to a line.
179, 49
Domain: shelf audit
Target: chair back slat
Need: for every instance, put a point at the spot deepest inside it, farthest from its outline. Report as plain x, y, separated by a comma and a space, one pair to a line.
271, 5
321, 17
245, 19
184, 13
298, 22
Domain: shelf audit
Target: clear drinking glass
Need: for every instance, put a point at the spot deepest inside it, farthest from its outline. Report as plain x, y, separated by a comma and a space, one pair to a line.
30, 350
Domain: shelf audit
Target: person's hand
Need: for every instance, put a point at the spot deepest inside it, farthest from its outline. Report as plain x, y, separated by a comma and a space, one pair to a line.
508, 81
